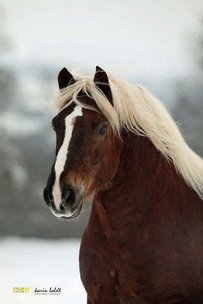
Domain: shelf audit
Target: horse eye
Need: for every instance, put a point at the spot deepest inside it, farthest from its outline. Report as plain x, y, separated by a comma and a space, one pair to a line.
102, 129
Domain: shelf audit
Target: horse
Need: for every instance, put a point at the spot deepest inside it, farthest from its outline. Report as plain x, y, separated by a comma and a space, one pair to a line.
118, 147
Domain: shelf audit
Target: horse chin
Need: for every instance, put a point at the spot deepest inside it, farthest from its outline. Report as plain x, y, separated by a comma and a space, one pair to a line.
75, 213
70, 214
77, 210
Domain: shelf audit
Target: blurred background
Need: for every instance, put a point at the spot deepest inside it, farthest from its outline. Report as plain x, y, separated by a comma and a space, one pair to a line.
158, 44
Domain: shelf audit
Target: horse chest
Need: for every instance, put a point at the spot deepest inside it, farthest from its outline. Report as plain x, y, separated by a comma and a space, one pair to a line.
103, 275
97, 269
119, 276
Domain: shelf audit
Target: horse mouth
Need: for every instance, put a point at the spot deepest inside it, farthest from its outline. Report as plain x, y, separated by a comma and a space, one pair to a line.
69, 213
75, 213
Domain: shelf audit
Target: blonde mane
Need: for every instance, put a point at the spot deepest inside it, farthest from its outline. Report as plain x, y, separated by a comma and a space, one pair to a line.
136, 110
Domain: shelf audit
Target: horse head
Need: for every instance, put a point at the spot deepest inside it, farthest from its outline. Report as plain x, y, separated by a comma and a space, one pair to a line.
87, 153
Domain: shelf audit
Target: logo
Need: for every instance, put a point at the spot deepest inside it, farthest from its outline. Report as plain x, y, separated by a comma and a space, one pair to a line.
21, 289
49, 291
37, 291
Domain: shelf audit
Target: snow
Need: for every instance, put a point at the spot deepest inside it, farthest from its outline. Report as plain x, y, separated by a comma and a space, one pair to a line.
40, 264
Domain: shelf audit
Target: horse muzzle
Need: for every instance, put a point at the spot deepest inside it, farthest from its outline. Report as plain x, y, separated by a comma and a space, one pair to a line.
70, 204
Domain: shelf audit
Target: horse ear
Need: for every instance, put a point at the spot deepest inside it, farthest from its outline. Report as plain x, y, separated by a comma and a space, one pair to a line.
102, 82
65, 78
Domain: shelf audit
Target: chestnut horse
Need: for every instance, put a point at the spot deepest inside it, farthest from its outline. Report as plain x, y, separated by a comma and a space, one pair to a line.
118, 147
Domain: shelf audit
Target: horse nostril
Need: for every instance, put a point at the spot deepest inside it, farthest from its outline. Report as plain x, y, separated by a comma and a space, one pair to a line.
47, 193
66, 191
62, 206
68, 197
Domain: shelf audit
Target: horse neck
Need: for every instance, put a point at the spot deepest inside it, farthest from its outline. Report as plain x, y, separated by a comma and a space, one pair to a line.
142, 173
145, 183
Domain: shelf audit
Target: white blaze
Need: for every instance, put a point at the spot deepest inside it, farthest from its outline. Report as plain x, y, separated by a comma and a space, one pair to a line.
62, 154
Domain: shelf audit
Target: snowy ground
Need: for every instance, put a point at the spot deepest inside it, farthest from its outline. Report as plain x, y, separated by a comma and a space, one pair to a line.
40, 264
